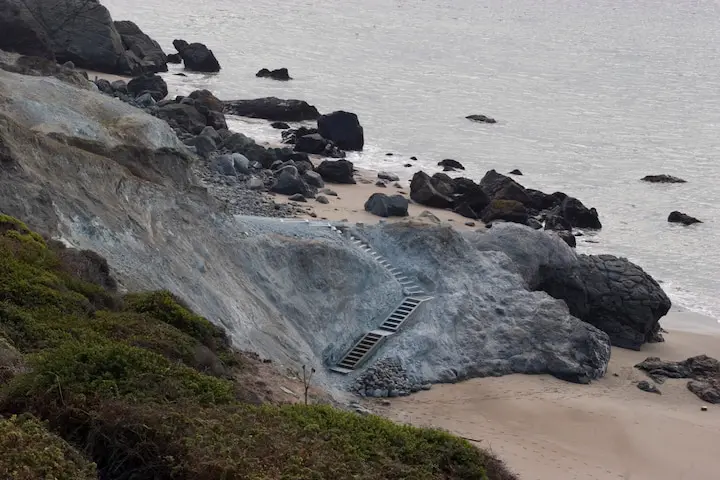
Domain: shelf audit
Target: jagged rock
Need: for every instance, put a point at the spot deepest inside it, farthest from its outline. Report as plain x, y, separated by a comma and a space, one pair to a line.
278, 74
120, 86
481, 119
515, 172
21, 32
152, 58
391, 177
272, 108
703, 370
196, 56
500, 187
567, 237
449, 162
611, 293
534, 223
578, 214
290, 136
148, 83
648, 387
678, 217
708, 390
174, 58
212, 133
430, 191
336, 171
145, 100
207, 99
289, 182
543, 201
280, 125
662, 179
387, 206
507, 210
471, 202
183, 116
343, 129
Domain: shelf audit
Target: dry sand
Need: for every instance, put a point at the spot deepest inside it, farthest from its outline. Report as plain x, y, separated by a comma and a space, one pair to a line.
547, 429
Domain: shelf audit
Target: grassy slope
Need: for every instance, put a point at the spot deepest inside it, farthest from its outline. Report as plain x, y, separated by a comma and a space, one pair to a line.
143, 385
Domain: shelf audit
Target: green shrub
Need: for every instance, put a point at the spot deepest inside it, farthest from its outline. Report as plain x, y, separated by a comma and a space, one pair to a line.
30, 452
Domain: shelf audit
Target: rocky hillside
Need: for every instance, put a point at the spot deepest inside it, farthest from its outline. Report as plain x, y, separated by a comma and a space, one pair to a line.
145, 388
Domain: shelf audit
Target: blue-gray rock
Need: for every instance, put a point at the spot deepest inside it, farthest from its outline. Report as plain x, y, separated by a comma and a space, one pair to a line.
205, 145
289, 182
211, 133
242, 164
314, 179
148, 83
151, 56
336, 171
145, 100
388, 176
322, 199
120, 86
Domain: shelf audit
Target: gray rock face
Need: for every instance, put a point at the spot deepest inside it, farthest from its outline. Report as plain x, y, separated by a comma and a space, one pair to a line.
20, 31
703, 370
241, 163
224, 165
336, 171
387, 206
272, 108
314, 179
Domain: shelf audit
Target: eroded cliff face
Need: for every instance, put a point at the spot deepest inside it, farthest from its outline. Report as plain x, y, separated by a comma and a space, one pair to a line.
104, 176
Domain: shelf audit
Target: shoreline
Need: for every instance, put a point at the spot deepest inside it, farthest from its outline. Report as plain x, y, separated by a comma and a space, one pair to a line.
544, 427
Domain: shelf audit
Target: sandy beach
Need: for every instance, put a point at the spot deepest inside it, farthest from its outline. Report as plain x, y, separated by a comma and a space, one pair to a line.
547, 429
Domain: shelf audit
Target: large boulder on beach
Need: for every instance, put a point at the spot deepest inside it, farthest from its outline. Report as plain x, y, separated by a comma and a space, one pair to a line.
289, 182
501, 187
183, 116
197, 57
472, 202
703, 371
387, 206
336, 171
148, 51
281, 74
578, 214
148, 83
343, 128
611, 293
79, 31
506, 210
431, 191
272, 108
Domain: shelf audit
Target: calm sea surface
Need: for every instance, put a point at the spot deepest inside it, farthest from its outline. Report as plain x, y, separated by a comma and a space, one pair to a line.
589, 98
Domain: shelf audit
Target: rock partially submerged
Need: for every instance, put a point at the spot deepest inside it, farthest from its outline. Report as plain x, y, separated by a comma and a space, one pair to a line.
481, 119
342, 128
272, 108
281, 74
452, 164
679, 217
197, 57
147, 52
662, 179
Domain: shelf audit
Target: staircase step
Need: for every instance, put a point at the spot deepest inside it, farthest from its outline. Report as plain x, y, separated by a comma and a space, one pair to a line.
344, 371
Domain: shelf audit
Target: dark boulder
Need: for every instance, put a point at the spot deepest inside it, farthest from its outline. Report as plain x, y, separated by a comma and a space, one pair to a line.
336, 171
501, 187
463, 185
205, 145
315, 144
678, 217
611, 293
567, 237
196, 56
183, 116
21, 32
280, 125
207, 99
507, 210
557, 223
216, 120
289, 182
174, 58
290, 136
471, 202
646, 386
343, 128
151, 56
298, 197
515, 172
703, 371
278, 74
148, 83
120, 86
578, 214
430, 191
481, 119
387, 206
662, 179
542, 201
272, 108
449, 162
104, 86
313, 179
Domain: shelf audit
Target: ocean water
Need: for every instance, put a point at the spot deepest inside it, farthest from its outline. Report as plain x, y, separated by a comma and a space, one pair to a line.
589, 98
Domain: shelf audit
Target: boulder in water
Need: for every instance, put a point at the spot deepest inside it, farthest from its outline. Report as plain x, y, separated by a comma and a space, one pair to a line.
481, 119
197, 57
343, 128
679, 217
272, 108
662, 179
148, 51
148, 83
278, 74
449, 162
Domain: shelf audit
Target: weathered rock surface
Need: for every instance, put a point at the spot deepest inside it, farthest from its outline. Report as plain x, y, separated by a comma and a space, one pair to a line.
151, 57
578, 214
197, 57
343, 128
289, 182
272, 108
506, 210
336, 171
481, 119
148, 83
703, 370
21, 32
449, 162
648, 387
277, 74
662, 179
315, 144
679, 217
387, 206
430, 191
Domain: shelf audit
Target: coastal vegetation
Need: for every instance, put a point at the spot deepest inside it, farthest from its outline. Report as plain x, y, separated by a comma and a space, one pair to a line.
99, 385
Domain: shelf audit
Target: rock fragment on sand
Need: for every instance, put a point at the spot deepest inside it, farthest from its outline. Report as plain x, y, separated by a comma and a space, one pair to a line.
322, 199
646, 386
388, 176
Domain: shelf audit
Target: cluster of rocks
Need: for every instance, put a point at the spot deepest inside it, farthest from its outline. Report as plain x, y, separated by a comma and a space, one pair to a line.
336, 132
675, 216
703, 371
387, 378
499, 197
